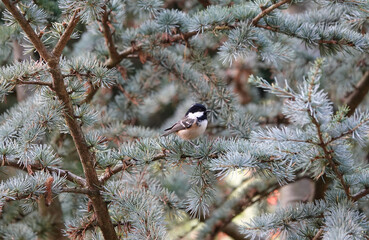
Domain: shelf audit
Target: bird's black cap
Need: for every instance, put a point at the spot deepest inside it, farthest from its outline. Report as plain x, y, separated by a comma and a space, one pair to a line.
198, 108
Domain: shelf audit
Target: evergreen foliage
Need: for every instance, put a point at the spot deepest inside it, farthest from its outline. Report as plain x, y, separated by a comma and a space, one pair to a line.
106, 78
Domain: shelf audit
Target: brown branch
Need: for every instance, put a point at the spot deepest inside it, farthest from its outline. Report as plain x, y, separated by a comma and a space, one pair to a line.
318, 234
19, 197
127, 95
267, 11
60, 45
308, 141
246, 195
349, 132
336, 42
324, 145
328, 155
110, 63
89, 224
321, 41
360, 194
357, 95
24, 24
109, 172
35, 83
86, 157
90, 93
113, 53
205, 3
37, 167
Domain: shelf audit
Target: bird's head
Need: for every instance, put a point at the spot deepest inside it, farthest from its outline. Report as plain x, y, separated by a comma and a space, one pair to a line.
197, 111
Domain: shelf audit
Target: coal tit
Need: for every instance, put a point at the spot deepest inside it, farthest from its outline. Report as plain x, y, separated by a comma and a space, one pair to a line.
192, 125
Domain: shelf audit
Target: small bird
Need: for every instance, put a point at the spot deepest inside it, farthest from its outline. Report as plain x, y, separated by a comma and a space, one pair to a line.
192, 125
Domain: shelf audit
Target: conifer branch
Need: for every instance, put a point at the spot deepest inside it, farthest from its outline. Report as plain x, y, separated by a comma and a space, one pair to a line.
357, 95
361, 194
86, 157
347, 133
37, 167
329, 157
90, 93
318, 41
89, 224
127, 95
60, 45
138, 47
241, 198
108, 36
35, 83
109, 172
24, 24
286, 140
18, 197
322, 144
267, 11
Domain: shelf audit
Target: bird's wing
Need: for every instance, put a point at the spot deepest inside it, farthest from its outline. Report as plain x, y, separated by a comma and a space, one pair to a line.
180, 125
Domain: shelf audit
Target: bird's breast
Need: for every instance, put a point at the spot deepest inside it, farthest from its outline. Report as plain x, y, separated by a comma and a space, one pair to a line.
194, 131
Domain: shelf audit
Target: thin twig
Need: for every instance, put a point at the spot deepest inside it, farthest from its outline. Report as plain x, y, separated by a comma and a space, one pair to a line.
321, 41
109, 172
60, 45
318, 234
324, 145
357, 95
37, 167
241, 198
138, 47
267, 11
35, 83
347, 133
90, 93
328, 155
360, 194
108, 36
127, 95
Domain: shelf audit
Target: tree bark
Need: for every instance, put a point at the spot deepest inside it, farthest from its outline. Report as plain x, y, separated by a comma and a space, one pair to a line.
358, 94
86, 157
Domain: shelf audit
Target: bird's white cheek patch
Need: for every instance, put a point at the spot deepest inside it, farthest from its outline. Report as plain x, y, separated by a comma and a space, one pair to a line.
195, 115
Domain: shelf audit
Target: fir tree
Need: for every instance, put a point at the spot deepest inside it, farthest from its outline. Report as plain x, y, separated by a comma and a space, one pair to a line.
106, 78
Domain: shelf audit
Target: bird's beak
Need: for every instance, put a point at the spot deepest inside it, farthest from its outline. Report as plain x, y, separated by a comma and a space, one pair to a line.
207, 111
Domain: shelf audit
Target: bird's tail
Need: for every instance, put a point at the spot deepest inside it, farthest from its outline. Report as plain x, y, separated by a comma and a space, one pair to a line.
166, 134
168, 131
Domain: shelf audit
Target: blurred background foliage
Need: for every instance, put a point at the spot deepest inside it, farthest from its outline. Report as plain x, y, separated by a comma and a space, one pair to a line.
132, 68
